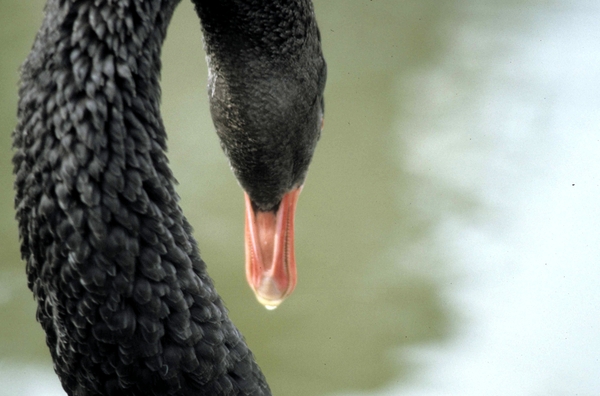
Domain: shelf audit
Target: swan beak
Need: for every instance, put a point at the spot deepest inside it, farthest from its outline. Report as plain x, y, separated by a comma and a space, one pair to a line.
270, 261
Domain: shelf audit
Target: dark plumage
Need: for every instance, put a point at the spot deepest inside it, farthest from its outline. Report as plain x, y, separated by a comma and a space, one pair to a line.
123, 295
267, 76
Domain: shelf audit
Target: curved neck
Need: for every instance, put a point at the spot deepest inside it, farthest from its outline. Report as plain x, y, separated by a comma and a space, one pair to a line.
122, 292
108, 54
265, 28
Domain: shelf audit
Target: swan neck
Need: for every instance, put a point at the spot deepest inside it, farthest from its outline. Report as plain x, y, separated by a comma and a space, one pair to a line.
257, 29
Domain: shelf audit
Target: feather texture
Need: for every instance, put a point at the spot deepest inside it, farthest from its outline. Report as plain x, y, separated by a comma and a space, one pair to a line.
123, 295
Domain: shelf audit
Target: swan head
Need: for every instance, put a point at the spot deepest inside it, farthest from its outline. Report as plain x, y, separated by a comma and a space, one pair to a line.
269, 120
266, 80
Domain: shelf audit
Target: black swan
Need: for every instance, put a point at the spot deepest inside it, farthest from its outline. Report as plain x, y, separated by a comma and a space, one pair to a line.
122, 293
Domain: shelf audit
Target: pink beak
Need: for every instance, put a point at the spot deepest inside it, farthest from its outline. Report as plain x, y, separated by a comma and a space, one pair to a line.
270, 261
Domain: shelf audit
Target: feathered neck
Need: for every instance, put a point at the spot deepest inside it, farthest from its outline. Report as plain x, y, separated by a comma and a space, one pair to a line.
258, 29
123, 295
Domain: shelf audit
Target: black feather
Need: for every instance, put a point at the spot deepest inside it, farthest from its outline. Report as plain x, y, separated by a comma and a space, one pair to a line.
123, 295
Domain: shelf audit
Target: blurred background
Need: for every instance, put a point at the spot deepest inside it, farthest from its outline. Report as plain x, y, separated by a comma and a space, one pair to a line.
447, 235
